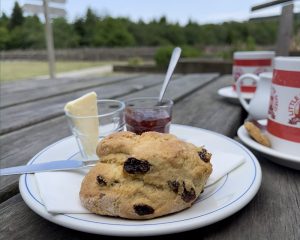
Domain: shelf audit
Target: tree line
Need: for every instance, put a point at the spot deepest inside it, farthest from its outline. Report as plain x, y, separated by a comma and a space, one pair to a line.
27, 32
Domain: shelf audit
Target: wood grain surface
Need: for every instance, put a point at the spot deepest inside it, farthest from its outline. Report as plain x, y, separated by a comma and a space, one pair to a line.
19, 146
273, 214
19, 92
205, 109
32, 112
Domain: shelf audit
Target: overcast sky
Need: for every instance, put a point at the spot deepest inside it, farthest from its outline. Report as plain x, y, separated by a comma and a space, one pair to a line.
201, 11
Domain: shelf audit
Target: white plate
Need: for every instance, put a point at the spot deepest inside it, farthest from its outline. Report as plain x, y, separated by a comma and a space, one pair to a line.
271, 154
230, 94
222, 199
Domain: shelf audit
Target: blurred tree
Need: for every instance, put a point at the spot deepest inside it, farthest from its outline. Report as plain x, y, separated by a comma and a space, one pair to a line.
29, 35
15, 39
174, 34
4, 39
86, 28
189, 52
64, 33
191, 32
163, 54
4, 20
112, 32
208, 34
34, 33
17, 18
92, 30
4, 33
91, 18
250, 43
90, 24
162, 20
79, 29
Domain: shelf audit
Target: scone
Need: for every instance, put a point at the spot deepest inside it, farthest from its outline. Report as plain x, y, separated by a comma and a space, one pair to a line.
256, 134
145, 176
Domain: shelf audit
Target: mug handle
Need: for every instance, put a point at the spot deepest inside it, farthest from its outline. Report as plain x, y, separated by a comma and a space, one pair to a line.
238, 88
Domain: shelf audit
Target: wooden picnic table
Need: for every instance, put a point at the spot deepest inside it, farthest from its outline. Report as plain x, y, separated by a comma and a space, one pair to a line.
31, 114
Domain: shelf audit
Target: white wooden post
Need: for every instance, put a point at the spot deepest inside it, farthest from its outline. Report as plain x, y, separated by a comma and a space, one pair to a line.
49, 40
47, 11
285, 31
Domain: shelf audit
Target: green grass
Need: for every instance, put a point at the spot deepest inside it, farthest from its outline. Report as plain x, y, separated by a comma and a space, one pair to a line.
15, 70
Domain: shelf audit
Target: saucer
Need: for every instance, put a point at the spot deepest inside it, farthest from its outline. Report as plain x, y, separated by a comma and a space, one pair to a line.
230, 94
275, 156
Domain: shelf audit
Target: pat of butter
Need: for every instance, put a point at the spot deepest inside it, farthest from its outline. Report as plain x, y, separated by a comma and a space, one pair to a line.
86, 128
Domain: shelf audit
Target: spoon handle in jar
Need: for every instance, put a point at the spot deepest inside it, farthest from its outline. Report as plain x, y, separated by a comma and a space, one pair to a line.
173, 61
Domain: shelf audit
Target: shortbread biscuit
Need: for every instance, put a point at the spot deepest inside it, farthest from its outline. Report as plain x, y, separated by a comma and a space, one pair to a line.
256, 134
145, 176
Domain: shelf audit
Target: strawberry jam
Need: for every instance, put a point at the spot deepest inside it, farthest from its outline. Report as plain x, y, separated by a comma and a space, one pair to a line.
144, 115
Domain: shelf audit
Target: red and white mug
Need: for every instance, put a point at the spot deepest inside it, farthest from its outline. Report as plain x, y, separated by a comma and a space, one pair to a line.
254, 62
283, 127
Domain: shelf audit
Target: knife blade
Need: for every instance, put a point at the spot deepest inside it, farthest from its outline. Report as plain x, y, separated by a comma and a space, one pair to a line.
48, 166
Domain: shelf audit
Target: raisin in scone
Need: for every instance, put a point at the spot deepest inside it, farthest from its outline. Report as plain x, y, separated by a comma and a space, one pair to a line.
145, 176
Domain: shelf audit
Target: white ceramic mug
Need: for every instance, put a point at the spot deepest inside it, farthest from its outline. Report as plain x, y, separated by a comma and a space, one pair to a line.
283, 127
259, 104
254, 62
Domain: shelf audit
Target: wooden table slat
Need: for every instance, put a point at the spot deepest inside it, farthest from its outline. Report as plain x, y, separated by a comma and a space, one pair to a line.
41, 89
205, 109
178, 89
273, 214
37, 111
19, 147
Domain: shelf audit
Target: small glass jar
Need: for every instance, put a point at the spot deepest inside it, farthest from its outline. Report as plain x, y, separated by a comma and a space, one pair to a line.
89, 130
145, 114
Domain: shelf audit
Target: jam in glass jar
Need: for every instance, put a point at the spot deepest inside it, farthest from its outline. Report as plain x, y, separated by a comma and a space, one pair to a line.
145, 114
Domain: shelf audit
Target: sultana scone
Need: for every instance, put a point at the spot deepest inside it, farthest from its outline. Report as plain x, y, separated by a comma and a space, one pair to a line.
145, 176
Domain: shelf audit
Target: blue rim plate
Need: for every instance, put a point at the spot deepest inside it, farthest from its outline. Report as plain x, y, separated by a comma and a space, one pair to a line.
224, 198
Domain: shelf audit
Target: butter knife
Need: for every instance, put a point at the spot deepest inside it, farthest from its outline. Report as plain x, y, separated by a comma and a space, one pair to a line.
48, 166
